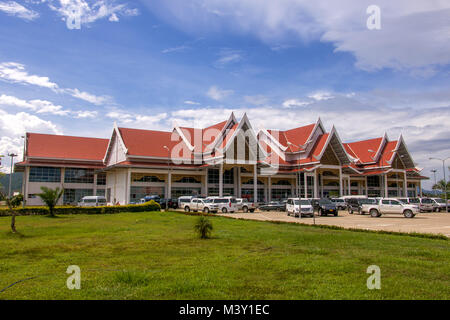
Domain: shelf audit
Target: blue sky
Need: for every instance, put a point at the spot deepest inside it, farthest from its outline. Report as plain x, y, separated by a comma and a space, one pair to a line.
146, 64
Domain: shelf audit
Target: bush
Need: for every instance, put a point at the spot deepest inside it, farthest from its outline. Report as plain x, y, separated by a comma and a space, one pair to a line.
41, 210
203, 227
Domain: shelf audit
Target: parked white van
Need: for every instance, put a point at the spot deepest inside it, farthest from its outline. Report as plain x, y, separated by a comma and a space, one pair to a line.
225, 204
298, 206
92, 201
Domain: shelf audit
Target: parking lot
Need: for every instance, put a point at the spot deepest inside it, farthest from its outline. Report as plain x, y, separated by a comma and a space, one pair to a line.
435, 223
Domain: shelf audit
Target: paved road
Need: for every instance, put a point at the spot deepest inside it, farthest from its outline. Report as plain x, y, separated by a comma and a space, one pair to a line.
436, 223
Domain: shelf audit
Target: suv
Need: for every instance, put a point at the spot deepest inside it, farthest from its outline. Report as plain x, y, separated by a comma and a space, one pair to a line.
324, 207
340, 203
355, 204
426, 205
205, 205
298, 206
390, 206
439, 204
244, 205
225, 204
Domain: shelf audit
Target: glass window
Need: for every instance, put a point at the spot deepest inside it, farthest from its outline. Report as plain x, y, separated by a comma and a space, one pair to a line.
101, 192
137, 193
373, 181
45, 174
72, 196
101, 179
139, 177
385, 202
185, 191
395, 202
188, 180
76, 175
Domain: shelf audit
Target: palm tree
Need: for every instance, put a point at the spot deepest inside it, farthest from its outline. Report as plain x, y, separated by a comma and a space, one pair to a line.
440, 185
50, 197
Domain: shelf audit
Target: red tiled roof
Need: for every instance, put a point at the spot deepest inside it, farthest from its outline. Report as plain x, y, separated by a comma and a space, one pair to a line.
206, 136
150, 143
297, 136
65, 147
360, 149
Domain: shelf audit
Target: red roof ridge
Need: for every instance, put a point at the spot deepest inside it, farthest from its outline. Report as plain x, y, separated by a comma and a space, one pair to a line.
64, 135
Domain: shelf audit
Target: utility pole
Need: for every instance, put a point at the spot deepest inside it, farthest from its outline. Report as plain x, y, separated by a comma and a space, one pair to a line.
12, 155
445, 179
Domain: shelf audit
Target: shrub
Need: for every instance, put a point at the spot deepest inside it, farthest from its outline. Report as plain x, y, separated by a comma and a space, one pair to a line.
40, 210
203, 227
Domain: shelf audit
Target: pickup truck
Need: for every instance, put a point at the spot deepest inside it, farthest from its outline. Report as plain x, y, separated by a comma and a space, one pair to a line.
204, 205
244, 205
390, 206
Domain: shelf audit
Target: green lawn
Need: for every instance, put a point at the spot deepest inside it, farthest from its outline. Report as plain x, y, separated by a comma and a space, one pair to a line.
157, 256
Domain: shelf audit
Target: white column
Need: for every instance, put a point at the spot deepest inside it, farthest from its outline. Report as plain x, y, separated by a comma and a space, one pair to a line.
306, 184
349, 186
128, 187
297, 187
25, 180
95, 184
315, 193
63, 174
321, 185
420, 188
341, 192
385, 185
221, 180
269, 188
405, 185
255, 184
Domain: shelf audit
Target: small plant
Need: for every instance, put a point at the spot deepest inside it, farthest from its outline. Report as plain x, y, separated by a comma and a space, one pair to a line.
50, 197
203, 227
12, 204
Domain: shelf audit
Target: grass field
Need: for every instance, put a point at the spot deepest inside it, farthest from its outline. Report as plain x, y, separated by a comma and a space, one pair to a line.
158, 256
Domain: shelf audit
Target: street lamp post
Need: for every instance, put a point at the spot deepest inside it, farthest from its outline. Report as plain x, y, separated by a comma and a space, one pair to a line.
434, 173
168, 176
12, 155
445, 179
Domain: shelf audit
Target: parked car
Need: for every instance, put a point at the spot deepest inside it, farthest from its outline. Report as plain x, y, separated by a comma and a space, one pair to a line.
299, 207
225, 204
172, 203
354, 204
183, 200
273, 206
92, 201
244, 205
426, 205
200, 204
324, 207
340, 203
390, 206
439, 204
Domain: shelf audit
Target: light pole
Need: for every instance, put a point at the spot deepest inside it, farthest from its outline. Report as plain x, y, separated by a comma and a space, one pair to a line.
168, 176
434, 173
445, 179
12, 155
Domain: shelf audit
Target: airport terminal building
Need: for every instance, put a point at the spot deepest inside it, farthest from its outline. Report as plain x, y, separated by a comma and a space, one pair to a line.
227, 158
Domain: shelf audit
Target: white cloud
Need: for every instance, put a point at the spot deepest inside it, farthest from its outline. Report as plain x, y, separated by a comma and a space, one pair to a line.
218, 94
15, 73
191, 102
42, 107
13, 126
414, 34
227, 57
175, 49
150, 122
320, 95
15, 9
290, 103
91, 11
